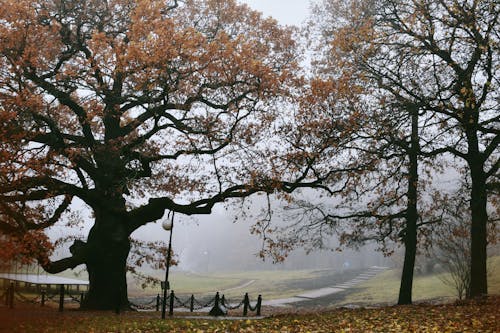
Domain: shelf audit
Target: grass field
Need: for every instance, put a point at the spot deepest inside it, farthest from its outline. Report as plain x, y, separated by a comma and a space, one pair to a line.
270, 284
273, 284
384, 287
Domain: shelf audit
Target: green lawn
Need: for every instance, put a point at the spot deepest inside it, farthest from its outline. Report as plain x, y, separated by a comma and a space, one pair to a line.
494, 275
384, 287
274, 284
270, 284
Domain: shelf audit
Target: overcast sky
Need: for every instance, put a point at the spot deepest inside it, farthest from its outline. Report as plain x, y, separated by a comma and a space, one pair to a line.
285, 11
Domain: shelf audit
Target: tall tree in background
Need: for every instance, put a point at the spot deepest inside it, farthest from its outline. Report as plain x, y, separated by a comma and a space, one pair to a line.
380, 195
134, 108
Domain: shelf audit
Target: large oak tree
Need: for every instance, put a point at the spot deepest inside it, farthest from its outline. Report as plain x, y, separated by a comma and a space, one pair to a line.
134, 108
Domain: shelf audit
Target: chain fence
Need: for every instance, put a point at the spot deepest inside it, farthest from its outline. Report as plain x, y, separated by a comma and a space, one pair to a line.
151, 305
219, 305
11, 294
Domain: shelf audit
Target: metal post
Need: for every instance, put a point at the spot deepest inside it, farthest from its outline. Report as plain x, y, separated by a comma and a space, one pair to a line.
217, 310
158, 300
246, 302
259, 304
216, 304
11, 295
171, 305
43, 298
191, 305
61, 298
169, 257
82, 295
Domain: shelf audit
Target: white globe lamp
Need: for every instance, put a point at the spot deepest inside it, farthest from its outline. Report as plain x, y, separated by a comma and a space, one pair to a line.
167, 225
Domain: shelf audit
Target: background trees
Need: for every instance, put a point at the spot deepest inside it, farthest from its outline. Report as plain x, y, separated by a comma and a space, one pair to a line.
428, 72
454, 45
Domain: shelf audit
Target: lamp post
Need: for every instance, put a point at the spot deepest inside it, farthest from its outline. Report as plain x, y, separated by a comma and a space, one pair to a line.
169, 226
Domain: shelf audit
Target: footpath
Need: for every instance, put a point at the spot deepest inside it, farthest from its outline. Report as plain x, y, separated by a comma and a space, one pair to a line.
315, 294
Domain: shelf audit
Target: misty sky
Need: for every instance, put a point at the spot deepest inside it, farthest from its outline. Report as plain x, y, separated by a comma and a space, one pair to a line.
285, 11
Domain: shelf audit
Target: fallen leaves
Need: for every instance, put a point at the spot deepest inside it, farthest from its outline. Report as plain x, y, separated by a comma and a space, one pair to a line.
481, 316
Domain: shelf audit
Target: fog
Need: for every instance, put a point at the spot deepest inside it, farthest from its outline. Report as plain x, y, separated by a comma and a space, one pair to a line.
222, 241
217, 243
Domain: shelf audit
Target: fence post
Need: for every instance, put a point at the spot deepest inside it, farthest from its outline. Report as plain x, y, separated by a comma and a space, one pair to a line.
246, 302
191, 304
259, 304
171, 305
11, 295
216, 310
61, 298
81, 298
43, 298
157, 302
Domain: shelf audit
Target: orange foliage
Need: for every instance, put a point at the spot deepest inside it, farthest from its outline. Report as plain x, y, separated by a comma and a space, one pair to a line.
122, 102
25, 249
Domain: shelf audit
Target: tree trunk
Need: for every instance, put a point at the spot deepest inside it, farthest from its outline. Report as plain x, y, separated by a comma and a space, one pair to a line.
410, 234
478, 232
108, 247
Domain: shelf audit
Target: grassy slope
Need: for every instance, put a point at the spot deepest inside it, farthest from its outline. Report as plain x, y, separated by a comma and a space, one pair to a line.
270, 284
384, 287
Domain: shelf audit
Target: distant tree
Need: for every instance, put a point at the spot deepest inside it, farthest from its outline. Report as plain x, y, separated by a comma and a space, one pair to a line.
452, 241
426, 76
134, 108
461, 40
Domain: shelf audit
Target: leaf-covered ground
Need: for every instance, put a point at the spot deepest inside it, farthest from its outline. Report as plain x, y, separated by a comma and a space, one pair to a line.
479, 316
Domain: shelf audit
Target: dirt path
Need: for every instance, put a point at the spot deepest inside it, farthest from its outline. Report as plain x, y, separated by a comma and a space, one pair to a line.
246, 284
